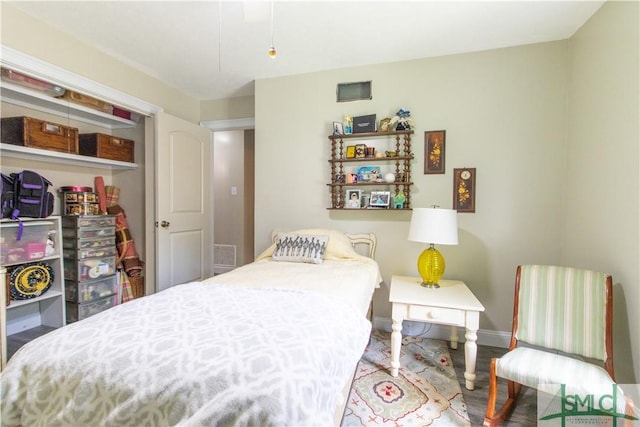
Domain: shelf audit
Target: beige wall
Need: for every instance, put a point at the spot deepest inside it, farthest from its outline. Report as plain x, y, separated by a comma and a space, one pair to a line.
602, 206
504, 113
543, 196
240, 107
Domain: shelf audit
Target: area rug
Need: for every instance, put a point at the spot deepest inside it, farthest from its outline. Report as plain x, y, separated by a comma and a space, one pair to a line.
426, 391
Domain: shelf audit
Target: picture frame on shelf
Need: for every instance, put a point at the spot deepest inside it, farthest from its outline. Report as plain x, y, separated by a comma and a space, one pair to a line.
385, 125
368, 173
351, 151
364, 124
361, 151
434, 151
352, 199
337, 128
464, 189
379, 199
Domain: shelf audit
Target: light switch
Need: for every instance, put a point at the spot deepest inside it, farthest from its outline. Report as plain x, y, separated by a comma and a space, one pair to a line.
234, 191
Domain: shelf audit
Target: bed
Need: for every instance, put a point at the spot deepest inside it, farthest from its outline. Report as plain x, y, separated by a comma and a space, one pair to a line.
275, 342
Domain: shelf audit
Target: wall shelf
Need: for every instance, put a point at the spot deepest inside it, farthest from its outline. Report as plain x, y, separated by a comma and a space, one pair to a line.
27, 153
398, 141
47, 295
25, 97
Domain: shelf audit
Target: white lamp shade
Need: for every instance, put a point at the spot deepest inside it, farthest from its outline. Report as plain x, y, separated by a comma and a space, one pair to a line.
433, 225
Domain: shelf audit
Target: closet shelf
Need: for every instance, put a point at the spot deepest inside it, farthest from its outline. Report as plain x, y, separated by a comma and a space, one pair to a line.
27, 153
25, 97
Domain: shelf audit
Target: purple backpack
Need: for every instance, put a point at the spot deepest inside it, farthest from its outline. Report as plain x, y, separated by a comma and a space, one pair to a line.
8, 196
31, 197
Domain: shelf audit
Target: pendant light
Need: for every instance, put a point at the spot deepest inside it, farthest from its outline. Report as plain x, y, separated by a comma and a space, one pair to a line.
272, 50
220, 36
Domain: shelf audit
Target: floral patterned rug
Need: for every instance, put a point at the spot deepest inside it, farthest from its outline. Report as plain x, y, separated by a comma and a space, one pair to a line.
426, 391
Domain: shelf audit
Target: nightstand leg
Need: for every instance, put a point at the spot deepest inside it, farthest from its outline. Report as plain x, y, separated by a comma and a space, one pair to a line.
454, 337
396, 341
471, 349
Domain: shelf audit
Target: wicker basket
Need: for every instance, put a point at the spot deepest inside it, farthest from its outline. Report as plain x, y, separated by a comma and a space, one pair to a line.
137, 286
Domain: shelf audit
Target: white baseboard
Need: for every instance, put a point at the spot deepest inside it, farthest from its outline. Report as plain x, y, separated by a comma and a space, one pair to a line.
429, 330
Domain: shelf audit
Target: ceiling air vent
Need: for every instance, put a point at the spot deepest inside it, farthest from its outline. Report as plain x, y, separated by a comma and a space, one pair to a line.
355, 91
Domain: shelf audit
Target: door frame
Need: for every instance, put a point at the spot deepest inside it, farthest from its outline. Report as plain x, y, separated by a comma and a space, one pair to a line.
247, 123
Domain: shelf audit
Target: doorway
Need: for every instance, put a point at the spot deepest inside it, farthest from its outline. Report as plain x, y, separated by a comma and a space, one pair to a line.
233, 198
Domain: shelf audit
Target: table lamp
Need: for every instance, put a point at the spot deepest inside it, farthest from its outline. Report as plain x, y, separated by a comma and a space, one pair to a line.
433, 226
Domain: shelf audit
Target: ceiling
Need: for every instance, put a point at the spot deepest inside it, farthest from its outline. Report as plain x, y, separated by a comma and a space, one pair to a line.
214, 50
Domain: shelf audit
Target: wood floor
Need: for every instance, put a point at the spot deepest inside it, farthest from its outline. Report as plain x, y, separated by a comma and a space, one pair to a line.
525, 412
523, 415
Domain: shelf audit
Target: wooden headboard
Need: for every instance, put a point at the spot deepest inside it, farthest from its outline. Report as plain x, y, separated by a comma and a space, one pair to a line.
363, 243
369, 240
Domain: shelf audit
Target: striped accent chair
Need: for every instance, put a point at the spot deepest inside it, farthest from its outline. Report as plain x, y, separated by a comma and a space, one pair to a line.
559, 313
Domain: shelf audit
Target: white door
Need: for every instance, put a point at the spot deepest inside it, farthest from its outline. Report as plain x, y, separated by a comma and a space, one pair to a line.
183, 202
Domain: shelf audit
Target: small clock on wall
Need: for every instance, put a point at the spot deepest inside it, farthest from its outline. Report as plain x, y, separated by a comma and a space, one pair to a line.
464, 189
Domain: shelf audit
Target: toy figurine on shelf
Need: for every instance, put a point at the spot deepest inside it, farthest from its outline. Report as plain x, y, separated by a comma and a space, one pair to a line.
402, 120
348, 122
398, 201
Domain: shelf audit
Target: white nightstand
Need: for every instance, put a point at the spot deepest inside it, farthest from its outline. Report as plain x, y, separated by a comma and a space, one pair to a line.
450, 304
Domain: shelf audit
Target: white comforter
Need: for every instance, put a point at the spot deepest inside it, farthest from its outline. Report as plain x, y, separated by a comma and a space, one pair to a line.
352, 280
196, 354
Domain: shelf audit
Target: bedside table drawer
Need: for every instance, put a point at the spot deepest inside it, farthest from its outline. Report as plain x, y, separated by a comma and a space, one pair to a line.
436, 314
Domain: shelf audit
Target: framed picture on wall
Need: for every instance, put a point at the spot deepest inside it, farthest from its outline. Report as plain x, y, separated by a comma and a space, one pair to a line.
464, 189
434, 150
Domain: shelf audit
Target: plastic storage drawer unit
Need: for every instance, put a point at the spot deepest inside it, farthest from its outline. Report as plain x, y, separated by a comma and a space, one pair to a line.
89, 269
77, 311
93, 290
75, 254
103, 242
88, 233
88, 221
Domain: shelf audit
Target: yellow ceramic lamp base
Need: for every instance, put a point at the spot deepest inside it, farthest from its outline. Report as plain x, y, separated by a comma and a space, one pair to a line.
431, 267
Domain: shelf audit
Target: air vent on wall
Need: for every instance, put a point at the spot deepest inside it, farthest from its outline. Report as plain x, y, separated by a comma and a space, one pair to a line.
224, 258
353, 91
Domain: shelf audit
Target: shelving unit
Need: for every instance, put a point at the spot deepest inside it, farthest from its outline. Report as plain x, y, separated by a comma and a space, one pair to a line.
42, 102
47, 309
27, 153
398, 141
25, 97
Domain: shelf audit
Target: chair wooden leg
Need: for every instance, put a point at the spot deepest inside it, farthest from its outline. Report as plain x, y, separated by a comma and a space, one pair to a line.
631, 410
493, 391
492, 418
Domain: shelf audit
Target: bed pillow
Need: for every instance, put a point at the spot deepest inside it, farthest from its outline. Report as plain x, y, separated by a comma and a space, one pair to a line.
338, 247
298, 247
